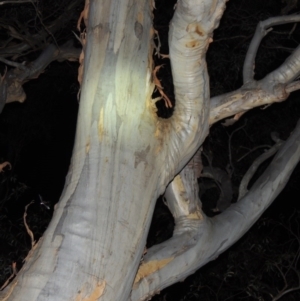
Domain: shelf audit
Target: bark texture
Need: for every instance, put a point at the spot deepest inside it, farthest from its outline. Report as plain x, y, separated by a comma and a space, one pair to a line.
125, 156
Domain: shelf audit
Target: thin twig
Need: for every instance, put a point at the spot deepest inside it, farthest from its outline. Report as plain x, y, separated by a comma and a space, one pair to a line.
229, 144
13, 64
16, 1
253, 168
253, 150
27, 227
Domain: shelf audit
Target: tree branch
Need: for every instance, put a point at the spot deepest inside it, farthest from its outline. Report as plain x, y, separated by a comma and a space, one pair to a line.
244, 99
13, 64
16, 1
253, 168
262, 29
40, 37
275, 87
189, 36
11, 83
202, 239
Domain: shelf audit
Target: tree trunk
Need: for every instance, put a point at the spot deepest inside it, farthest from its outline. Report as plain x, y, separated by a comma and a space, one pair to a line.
99, 229
125, 156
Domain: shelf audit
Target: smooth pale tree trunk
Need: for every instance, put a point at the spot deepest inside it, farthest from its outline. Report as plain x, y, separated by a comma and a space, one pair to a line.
125, 156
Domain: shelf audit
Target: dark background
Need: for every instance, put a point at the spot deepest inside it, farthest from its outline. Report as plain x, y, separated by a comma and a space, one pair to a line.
37, 137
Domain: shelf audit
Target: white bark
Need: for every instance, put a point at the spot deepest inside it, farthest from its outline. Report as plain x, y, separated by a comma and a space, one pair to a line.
198, 239
101, 221
262, 29
275, 87
124, 157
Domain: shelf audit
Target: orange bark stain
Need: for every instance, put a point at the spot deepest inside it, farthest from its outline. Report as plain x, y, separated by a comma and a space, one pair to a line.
94, 295
192, 44
150, 267
196, 28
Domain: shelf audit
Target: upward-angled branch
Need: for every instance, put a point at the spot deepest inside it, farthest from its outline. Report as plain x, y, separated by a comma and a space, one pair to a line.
287, 72
262, 29
243, 189
189, 37
244, 99
275, 87
198, 239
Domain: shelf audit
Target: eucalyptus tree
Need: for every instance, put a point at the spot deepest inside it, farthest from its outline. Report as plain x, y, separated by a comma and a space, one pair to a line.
125, 156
